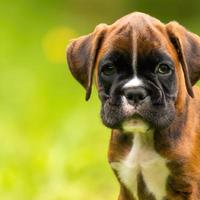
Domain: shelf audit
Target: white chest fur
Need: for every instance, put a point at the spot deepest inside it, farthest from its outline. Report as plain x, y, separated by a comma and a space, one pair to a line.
143, 159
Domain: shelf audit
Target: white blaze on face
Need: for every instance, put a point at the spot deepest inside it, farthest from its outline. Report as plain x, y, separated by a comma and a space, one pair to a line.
134, 52
134, 82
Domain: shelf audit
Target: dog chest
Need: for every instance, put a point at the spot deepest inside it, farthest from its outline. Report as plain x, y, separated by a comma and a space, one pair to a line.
143, 161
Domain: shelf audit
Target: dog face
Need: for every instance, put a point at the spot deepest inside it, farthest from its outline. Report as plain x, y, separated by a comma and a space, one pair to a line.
141, 68
136, 77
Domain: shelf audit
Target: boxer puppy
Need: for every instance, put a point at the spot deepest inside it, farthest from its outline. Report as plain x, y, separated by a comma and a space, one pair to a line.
145, 73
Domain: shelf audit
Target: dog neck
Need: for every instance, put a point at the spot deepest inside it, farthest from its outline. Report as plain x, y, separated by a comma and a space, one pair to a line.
139, 168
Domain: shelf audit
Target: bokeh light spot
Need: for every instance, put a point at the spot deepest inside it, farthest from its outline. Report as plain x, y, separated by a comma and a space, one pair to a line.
55, 42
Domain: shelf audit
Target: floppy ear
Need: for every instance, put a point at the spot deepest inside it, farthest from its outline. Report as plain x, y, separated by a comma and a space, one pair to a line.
187, 46
82, 54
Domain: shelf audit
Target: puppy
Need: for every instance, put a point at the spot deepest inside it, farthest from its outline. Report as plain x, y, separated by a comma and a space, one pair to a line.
145, 72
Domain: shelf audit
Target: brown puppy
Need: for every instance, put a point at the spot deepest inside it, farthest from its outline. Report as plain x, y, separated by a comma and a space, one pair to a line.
145, 74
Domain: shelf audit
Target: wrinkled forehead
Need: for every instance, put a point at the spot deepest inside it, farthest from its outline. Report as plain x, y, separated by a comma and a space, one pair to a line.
135, 39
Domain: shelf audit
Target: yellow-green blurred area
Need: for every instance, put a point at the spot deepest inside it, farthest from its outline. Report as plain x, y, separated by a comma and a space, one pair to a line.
52, 143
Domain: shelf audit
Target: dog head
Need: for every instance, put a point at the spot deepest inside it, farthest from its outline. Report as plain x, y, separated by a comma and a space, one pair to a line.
144, 68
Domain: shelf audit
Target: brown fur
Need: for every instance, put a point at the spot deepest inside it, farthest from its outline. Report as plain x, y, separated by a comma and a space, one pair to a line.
179, 143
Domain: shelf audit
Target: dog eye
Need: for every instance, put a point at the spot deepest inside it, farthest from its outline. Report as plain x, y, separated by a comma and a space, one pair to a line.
108, 70
163, 69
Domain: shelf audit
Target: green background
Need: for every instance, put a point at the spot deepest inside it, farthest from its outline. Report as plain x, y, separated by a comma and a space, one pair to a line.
53, 145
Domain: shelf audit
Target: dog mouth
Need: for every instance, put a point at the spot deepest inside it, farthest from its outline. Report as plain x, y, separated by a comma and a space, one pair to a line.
139, 118
123, 116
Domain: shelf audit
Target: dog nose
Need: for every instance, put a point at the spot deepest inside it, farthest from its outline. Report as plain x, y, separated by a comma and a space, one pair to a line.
135, 95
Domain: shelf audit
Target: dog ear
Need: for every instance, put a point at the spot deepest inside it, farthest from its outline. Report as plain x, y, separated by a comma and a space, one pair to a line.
82, 54
187, 46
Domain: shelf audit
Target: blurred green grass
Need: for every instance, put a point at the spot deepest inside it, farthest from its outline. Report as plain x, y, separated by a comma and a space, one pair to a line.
49, 150
53, 146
